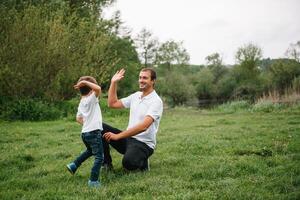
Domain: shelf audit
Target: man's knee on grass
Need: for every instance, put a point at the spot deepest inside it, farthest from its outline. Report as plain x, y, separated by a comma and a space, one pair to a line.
130, 163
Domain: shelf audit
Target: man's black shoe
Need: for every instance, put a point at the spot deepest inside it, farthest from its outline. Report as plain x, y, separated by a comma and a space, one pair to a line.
107, 166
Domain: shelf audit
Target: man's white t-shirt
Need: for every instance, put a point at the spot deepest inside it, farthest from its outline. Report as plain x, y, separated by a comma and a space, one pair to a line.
90, 111
150, 105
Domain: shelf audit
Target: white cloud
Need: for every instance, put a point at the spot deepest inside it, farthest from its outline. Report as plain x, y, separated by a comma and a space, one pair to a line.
208, 26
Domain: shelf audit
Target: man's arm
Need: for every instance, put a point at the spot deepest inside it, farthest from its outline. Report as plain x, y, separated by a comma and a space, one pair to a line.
96, 88
144, 125
113, 101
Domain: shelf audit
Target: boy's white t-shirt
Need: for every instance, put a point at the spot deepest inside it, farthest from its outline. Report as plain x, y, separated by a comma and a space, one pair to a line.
90, 112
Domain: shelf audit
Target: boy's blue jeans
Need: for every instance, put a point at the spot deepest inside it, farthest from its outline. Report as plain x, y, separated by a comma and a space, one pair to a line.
93, 143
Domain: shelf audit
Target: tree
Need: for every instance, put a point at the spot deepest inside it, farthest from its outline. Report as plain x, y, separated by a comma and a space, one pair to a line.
43, 52
147, 46
293, 51
172, 52
214, 59
215, 64
176, 88
204, 85
248, 58
283, 72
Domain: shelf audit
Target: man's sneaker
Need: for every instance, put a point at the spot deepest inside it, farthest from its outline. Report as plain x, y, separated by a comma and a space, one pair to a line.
94, 184
146, 166
72, 168
107, 167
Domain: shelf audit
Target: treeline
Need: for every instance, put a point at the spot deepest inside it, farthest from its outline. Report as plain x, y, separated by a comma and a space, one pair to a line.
249, 79
47, 45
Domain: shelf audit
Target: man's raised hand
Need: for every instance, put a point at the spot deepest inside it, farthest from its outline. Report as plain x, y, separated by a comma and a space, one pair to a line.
118, 76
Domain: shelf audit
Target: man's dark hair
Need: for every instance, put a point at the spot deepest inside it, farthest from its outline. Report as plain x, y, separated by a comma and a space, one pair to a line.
84, 90
152, 72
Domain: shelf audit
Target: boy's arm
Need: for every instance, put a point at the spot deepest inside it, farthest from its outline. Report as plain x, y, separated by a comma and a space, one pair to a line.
96, 88
79, 120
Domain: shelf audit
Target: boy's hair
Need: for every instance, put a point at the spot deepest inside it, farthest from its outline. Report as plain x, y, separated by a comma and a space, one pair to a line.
84, 90
152, 72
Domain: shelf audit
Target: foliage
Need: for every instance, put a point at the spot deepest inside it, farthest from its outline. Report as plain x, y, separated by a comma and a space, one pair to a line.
296, 84
147, 46
283, 72
248, 55
45, 51
39, 110
215, 64
110, 112
234, 106
203, 81
266, 106
247, 72
226, 86
293, 52
176, 88
171, 52
29, 109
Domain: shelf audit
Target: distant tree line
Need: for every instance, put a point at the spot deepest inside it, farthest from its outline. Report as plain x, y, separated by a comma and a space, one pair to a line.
248, 79
47, 45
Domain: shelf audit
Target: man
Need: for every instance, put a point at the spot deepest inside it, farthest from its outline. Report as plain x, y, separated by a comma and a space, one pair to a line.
137, 143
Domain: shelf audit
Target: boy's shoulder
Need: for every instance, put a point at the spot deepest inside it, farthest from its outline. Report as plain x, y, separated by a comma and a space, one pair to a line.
89, 97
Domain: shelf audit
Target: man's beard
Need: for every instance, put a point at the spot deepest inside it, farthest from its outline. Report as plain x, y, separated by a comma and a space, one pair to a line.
142, 87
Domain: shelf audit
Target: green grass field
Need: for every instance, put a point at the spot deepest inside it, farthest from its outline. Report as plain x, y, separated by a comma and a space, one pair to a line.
200, 155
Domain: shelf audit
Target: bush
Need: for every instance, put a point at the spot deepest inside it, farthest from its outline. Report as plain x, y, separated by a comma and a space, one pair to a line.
205, 88
296, 84
176, 88
234, 106
29, 109
68, 108
246, 92
267, 106
110, 112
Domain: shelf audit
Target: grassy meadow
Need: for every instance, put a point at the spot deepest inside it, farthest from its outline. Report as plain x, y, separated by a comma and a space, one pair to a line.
200, 155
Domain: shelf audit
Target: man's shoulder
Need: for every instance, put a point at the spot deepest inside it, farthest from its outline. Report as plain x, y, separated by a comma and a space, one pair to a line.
136, 94
157, 97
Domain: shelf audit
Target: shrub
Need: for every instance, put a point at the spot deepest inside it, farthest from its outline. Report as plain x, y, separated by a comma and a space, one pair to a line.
246, 92
176, 88
204, 84
234, 106
296, 84
29, 109
267, 106
110, 112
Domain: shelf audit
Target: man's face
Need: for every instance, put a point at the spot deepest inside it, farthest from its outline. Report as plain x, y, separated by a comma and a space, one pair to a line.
145, 81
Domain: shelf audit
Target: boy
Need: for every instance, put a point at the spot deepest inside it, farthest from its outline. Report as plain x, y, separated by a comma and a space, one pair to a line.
89, 116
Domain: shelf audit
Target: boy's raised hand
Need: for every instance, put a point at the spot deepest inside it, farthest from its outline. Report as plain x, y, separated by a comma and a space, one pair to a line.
118, 75
78, 85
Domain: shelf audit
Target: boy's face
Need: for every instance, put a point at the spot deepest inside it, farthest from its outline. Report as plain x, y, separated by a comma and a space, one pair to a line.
84, 90
145, 81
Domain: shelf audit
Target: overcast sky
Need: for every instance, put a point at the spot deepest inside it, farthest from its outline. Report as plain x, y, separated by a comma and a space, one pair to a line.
209, 26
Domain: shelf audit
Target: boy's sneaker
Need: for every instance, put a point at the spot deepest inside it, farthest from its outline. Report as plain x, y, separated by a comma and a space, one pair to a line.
72, 168
94, 184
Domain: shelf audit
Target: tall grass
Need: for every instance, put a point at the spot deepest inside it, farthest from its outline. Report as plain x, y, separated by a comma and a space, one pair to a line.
290, 96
